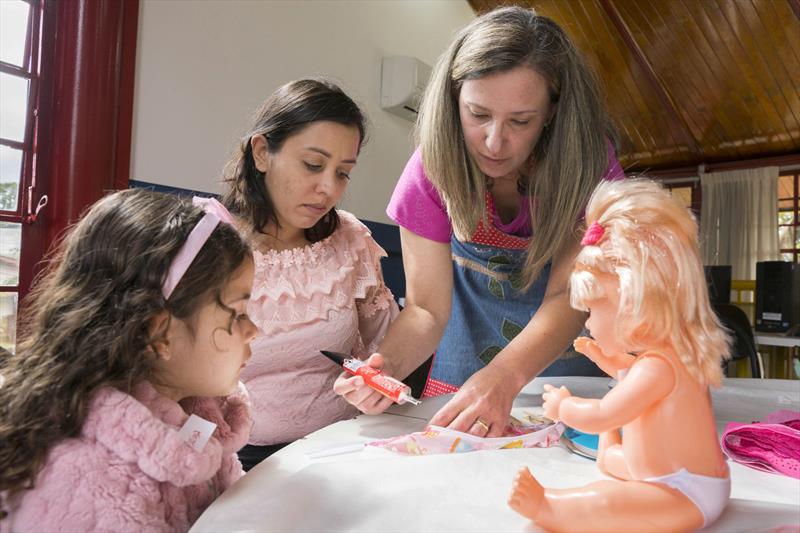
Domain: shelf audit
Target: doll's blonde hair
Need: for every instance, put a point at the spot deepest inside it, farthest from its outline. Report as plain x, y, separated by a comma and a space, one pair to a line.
649, 241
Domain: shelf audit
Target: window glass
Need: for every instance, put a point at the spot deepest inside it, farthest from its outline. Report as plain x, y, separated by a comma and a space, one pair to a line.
785, 237
13, 31
785, 217
13, 106
684, 194
788, 217
786, 186
18, 36
10, 234
10, 173
8, 320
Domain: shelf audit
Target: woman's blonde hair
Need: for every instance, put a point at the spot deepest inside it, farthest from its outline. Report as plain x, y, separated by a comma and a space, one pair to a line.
649, 241
571, 153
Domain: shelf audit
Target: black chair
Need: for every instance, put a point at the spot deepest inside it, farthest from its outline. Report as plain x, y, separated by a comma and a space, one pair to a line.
718, 279
417, 379
744, 345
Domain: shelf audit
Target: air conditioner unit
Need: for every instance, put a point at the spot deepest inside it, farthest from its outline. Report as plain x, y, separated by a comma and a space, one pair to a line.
403, 80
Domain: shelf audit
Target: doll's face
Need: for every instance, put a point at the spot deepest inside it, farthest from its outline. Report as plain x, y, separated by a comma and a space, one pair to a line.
602, 321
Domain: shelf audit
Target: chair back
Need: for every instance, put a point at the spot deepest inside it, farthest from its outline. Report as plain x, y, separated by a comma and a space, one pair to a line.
744, 345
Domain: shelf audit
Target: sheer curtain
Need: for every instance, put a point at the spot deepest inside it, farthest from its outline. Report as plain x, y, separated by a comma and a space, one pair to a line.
739, 219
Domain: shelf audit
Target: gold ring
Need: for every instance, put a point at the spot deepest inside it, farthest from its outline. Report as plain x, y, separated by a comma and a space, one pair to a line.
482, 423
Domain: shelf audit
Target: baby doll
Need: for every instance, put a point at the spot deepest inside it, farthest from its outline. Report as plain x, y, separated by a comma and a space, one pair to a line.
640, 277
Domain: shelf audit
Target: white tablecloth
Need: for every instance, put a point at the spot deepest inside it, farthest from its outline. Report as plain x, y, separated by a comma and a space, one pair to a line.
375, 490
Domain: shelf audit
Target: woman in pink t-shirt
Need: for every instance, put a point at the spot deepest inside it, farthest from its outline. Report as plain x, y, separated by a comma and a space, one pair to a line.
318, 282
513, 137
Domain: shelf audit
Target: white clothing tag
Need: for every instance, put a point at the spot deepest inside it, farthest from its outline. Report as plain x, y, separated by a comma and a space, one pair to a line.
196, 431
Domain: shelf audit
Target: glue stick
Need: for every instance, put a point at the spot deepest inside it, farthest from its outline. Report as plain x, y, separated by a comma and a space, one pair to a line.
389, 387
393, 389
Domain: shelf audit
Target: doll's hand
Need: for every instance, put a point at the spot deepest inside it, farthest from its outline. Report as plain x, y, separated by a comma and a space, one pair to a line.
356, 392
589, 347
552, 398
482, 405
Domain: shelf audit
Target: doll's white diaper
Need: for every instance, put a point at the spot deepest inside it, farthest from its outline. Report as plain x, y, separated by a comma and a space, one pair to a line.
709, 494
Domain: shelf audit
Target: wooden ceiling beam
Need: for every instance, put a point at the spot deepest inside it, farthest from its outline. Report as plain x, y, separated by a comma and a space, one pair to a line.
784, 162
795, 5
661, 92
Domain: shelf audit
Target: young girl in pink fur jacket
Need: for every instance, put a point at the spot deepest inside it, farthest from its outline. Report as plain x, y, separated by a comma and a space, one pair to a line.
139, 324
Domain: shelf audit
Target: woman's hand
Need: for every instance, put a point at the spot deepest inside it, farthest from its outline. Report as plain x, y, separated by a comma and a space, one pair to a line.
482, 405
552, 398
356, 392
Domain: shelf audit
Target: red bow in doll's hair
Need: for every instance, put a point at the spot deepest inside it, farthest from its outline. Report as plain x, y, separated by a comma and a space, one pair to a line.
593, 234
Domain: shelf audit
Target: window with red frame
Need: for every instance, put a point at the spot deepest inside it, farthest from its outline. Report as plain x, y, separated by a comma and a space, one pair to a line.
19, 71
789, 215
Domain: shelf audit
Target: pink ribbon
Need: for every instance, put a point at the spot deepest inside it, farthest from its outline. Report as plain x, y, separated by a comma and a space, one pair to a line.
593, 234
214, 213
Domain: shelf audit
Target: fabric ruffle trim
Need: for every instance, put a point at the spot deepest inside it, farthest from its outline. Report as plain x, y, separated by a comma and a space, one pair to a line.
302, 285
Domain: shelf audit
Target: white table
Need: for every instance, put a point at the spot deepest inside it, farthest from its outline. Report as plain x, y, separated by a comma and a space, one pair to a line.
776, 339
782, 362
466, 492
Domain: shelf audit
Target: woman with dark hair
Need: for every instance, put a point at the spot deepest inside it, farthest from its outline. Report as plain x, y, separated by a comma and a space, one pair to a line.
318, 282
513, 137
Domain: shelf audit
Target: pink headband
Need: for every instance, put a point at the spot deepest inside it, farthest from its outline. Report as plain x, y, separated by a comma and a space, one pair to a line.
215, 213
593, 234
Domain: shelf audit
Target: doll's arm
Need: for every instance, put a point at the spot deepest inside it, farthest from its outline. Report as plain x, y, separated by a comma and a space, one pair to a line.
647, 382
607, 363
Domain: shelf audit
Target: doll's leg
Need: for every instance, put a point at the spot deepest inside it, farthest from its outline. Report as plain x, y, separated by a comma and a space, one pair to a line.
610, 456
527, 495
617, 506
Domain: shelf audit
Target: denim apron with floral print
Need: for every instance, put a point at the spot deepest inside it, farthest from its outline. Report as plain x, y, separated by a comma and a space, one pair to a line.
489, 309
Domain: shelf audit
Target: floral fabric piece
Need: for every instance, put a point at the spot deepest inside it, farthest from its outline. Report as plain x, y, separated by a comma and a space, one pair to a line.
534, 433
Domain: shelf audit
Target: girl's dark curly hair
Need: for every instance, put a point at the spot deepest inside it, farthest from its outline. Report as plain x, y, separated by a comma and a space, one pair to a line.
286, 112
87, 323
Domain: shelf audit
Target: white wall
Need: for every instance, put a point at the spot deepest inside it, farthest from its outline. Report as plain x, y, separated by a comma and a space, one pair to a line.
204, 66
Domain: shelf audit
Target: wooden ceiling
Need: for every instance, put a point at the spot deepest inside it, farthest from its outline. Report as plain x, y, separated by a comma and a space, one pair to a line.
690, 81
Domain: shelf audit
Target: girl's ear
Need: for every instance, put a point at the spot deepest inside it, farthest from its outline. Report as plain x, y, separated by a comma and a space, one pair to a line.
261, 156
159, 330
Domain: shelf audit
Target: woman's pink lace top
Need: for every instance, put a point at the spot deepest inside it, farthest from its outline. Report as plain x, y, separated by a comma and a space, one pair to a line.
329, 295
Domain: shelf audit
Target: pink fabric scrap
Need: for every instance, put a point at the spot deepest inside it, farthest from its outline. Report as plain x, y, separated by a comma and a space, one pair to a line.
772, 445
